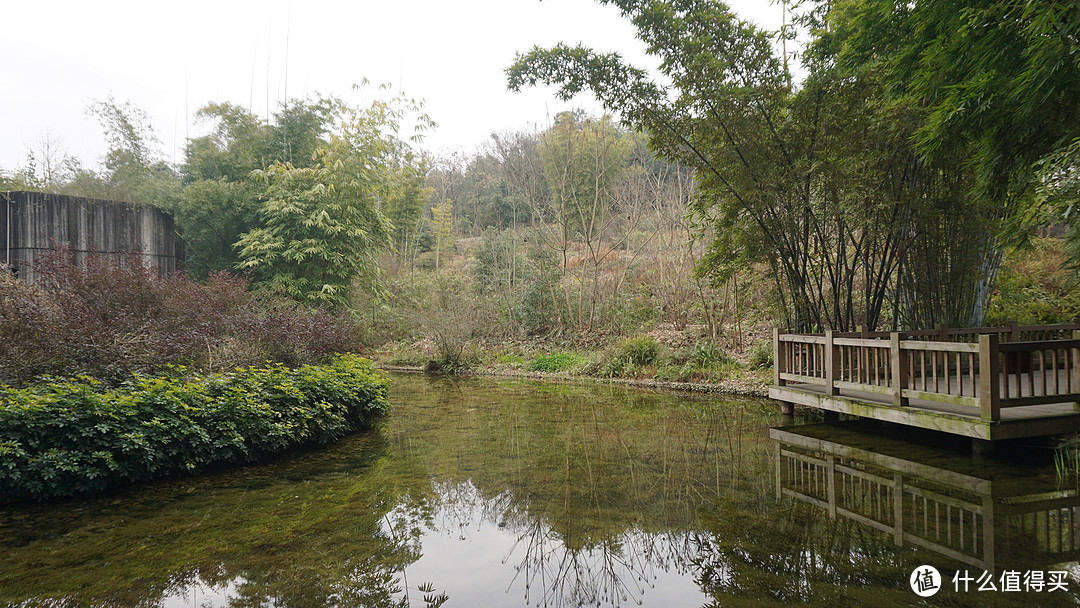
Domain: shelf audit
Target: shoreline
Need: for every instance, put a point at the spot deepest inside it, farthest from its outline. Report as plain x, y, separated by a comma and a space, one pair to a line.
732, 388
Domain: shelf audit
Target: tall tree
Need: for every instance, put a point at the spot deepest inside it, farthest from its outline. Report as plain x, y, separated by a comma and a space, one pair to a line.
322, 225
1000, 80
723, 107
220, 200
821, 183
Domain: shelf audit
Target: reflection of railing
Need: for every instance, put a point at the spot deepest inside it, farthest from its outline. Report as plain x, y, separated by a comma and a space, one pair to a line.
953, 514
1002, 367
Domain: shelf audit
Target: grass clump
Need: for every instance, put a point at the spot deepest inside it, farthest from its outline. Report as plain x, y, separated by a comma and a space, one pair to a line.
761, 357
700, 361
554, 362
632, 357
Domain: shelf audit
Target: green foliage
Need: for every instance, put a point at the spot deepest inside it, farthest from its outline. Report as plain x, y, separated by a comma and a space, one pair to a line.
405, 209
761, 357
541, 309
554, 362
510, 359
1035, 287
642, 350
819, 183
699, 361
212, 215
320, 228
134, 169
322, 225
67, 438
627, 358
999, 80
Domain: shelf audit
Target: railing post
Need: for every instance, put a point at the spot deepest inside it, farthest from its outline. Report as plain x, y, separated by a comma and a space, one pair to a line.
832, 365
862, 355
1014, 331
1074, 368
943, 332
899, 377
779, 364
989, 378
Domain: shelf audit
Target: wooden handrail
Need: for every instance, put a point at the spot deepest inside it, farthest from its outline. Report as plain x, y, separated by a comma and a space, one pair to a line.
996, 371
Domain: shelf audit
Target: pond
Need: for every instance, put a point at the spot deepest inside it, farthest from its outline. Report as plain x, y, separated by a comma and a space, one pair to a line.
482, 492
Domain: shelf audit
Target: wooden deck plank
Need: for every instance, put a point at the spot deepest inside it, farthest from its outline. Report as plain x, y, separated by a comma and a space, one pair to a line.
1030, 421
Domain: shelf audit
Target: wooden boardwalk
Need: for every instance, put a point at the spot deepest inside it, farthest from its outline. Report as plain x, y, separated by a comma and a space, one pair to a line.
985, 383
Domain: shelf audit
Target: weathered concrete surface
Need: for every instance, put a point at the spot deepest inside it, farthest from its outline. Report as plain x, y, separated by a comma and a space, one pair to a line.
31, 223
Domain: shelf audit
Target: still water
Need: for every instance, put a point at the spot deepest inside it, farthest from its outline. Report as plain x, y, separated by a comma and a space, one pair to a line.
480, 492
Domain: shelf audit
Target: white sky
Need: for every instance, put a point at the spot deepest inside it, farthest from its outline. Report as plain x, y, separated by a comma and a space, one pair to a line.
170, 59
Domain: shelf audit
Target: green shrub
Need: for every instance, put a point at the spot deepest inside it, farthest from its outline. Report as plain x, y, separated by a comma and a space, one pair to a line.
554, 362
1036, 287
642, 350
71, 437
700, 361
761, 357
626, 358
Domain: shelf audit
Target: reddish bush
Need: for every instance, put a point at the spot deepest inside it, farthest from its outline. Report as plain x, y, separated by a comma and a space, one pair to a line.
109, 319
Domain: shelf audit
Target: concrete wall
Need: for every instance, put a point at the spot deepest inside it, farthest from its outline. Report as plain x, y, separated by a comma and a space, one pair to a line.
32, 222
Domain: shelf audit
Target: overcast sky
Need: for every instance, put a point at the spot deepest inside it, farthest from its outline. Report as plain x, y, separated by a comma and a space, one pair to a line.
170, 59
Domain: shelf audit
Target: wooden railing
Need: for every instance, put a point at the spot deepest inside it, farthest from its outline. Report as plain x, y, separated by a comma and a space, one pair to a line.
986, 368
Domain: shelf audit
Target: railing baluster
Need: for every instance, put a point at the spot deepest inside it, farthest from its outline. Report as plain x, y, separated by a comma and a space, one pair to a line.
959, 375
922, 368
1042, 369
971, 372
1031, 373
933, 364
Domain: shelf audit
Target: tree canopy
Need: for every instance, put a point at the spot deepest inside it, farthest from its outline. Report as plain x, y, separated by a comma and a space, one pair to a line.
831, 183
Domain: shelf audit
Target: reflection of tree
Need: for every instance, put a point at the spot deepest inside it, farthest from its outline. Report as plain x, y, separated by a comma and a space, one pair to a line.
617, 571
598, 486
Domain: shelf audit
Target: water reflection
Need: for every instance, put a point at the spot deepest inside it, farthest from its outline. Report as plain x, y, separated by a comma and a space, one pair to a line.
499, 493
992, 518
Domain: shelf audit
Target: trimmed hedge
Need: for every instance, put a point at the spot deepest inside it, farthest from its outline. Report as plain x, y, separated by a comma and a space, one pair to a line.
72, 437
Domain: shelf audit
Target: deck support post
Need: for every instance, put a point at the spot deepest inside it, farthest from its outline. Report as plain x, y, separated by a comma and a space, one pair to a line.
899, 377
787, 408
989, 378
